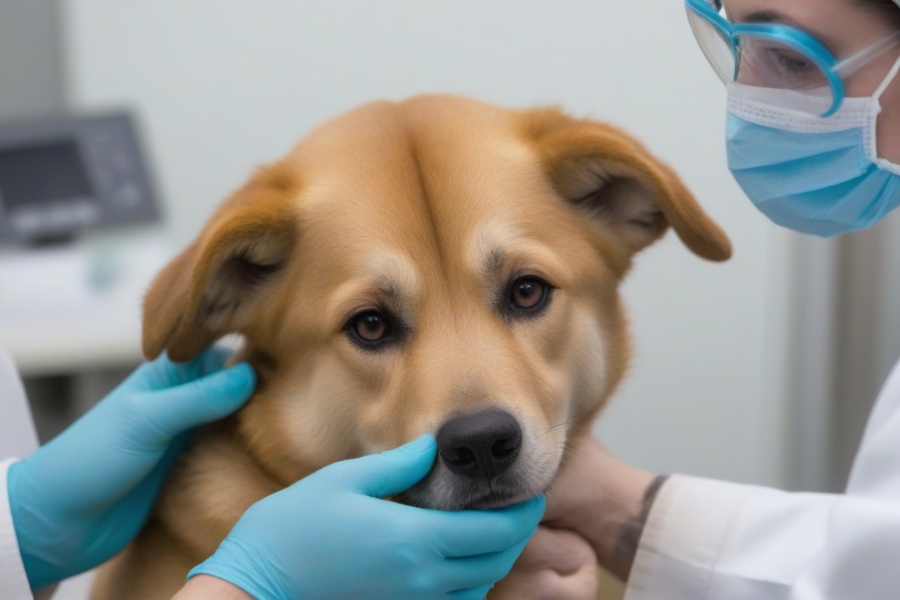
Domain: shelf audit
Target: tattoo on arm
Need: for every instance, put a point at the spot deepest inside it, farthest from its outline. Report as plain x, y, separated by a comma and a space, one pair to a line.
629, 534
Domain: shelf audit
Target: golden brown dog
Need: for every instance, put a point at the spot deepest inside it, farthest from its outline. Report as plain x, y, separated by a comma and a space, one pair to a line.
437, 265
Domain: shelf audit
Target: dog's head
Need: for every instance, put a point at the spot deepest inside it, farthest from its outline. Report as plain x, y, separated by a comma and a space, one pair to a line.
434, 266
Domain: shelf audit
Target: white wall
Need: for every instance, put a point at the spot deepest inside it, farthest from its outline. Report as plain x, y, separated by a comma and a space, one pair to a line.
223, 85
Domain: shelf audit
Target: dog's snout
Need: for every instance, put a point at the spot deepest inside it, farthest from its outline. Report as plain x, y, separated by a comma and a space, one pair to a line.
480, 445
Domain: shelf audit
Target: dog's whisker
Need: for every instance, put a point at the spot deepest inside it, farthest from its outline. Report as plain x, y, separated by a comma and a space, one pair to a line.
567, 421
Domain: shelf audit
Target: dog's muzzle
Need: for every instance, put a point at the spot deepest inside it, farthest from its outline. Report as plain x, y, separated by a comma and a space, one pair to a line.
483, 462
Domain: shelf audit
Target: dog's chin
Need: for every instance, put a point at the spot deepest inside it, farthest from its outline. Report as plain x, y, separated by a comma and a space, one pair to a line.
485, 501
457, 493
496, 500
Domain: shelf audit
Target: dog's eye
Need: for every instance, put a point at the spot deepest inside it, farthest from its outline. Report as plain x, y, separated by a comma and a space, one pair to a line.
371, 326
528, 293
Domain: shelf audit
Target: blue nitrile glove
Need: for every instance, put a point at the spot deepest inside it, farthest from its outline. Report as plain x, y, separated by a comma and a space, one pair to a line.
79, 500
331, 536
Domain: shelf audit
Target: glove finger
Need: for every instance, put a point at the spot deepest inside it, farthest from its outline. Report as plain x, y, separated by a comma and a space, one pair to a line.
166, 413
163, 373
388, 473
464, 574
478, 593
210, 361
126, 434
471, 533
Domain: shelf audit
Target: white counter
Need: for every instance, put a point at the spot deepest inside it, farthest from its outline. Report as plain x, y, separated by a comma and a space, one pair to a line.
72, 309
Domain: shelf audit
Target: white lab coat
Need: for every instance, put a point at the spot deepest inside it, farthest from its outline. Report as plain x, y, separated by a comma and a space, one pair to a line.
704, 540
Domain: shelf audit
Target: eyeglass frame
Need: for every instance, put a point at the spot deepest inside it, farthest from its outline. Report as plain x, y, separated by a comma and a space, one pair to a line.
833, 68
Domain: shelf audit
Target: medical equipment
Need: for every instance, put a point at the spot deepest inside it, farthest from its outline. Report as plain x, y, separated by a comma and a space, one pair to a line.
60, 176
784, 65
66, 304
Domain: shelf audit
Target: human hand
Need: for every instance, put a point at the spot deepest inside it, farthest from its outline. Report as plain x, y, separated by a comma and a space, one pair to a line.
79, 499
604, 500
331, 536
555, 565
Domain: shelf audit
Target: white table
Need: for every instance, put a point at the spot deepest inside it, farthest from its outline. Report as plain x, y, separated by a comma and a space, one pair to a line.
76, 308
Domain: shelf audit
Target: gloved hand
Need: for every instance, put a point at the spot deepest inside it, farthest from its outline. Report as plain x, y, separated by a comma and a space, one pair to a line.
79, 499
331, 536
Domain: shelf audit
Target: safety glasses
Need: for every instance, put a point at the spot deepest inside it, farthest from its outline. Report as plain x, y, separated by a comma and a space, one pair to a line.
789, 67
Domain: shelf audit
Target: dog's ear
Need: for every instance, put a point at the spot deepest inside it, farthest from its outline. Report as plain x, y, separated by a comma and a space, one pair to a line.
620, 185
211, 288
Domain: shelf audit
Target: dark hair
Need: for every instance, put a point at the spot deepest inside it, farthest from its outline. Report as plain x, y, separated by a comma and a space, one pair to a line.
887, 8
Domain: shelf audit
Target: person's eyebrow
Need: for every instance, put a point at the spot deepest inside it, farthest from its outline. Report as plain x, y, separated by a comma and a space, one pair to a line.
769, 16
775, 17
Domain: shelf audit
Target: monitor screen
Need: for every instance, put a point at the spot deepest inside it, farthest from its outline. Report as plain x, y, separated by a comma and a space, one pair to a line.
42, 173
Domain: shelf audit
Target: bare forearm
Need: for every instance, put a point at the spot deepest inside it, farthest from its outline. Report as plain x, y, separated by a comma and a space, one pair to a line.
206, 587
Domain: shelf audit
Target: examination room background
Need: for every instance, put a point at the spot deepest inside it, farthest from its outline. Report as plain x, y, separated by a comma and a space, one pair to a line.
757, 370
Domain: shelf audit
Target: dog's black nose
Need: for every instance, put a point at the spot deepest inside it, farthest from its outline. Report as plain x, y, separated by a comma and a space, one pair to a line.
481, 445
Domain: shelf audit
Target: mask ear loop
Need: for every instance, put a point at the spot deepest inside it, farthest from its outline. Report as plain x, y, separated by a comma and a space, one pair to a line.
887, 80
871, 129
851, 64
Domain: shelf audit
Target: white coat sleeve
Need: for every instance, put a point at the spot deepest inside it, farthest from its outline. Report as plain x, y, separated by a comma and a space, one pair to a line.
17, 434
17, 438
712, 540
13, 581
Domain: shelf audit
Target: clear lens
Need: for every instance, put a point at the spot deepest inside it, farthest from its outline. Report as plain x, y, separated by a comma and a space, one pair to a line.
767, 69
774, 65
714, 45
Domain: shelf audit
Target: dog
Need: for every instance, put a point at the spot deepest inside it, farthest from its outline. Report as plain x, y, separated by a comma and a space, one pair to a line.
437, 265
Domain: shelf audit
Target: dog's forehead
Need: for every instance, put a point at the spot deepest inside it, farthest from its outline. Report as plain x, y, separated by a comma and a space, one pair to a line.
437, 175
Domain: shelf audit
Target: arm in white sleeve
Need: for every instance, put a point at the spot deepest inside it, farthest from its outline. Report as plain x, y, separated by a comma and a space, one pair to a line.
715, 540
17, 438
709, 540
712, 540
17, 434
13, 581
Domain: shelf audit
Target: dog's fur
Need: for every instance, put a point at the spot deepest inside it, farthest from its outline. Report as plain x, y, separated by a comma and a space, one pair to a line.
426, 210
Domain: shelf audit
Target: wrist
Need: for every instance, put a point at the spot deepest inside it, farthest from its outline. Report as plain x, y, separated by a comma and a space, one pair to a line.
39, 571
619, 545
622, 504
209, 586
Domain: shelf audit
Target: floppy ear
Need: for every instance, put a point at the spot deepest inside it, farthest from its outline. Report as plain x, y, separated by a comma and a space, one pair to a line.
210, 290
620, 185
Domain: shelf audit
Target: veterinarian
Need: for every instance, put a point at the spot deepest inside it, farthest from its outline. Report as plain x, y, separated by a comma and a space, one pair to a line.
813, 138
77, 501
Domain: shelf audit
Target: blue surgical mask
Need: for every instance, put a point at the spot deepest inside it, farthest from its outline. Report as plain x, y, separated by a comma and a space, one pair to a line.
817, 175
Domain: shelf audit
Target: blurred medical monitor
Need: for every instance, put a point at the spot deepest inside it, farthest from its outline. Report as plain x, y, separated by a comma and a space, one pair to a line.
61, 176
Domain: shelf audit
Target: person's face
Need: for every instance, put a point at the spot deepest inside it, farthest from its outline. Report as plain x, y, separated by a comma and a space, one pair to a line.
844, 27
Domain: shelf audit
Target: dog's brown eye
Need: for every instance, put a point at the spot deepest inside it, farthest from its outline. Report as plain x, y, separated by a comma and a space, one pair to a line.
528, 293
371, 326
